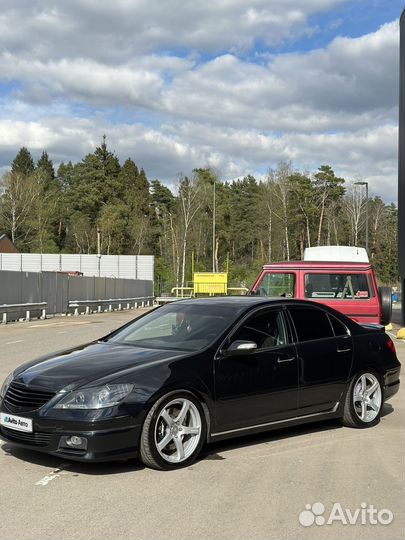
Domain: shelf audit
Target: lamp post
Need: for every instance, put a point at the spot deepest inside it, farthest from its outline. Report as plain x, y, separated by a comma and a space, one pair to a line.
365, 184
214, 215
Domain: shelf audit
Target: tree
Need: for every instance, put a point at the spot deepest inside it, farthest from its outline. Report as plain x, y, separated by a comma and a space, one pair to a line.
96, 181
190, 204
329, 188
354, 205
303, 206
112, 223
244, 199
20, 194
23, 163
46, 171
282, 191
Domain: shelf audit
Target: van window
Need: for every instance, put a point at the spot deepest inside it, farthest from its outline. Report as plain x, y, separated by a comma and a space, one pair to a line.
337, 286
277, 284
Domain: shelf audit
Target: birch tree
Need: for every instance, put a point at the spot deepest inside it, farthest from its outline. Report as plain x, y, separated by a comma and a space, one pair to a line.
190, 203
20, 194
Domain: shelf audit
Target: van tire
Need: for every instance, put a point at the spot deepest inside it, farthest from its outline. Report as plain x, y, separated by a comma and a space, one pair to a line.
385, 295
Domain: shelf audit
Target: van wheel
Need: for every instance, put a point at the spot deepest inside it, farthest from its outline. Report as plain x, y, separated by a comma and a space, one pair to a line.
385, 295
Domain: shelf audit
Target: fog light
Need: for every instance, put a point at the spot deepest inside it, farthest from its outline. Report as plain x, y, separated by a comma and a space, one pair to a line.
74, 440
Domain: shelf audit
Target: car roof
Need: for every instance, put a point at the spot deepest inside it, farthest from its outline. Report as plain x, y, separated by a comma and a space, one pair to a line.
245, 301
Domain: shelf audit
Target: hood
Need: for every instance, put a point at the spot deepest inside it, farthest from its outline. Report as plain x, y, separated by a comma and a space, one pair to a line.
83, 365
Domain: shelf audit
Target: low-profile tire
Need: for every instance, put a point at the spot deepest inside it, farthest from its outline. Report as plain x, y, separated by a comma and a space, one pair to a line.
364, 400
173, 433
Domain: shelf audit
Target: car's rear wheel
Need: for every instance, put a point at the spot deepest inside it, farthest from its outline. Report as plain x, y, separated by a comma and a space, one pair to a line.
173, 432
364, 401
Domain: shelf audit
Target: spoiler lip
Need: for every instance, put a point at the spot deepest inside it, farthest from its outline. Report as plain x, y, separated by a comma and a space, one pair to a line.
377, 327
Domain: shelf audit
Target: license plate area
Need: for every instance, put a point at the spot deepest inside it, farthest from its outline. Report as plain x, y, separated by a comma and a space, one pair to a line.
17, 423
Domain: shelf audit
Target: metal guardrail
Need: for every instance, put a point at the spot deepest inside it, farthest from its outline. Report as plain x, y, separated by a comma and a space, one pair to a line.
191, 292
108, 305
9, 309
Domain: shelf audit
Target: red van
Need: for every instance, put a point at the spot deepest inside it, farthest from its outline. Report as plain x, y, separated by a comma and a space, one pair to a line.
348, 287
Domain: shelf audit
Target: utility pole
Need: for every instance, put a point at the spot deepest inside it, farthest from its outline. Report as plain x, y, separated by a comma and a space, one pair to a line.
214, 269
366, 185
401, 167
99, 249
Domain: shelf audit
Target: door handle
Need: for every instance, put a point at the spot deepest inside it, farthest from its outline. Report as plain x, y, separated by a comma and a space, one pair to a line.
281, 359
343, 349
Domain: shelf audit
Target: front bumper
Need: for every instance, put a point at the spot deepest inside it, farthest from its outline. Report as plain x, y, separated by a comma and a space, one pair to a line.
106, 440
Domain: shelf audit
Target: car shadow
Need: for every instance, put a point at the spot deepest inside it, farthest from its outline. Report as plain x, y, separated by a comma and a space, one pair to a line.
75, 467
210, 451
387, 409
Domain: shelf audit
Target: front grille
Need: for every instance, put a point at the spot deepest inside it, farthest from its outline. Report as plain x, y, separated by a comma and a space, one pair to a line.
39, 438
23, 398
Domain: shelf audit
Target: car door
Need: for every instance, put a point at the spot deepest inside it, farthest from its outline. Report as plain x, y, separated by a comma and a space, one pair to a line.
325, 353
258, 386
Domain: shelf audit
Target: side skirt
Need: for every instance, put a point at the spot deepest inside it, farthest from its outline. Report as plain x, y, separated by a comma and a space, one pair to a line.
296, 420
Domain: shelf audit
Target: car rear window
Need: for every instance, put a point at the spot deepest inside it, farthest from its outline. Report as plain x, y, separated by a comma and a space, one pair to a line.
338, 327
337, 286
311, 323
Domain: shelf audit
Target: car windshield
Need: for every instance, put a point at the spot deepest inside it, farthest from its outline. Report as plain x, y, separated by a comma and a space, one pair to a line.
186, 327
277, 284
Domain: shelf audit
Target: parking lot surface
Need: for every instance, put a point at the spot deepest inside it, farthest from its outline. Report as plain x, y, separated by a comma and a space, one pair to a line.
249, 488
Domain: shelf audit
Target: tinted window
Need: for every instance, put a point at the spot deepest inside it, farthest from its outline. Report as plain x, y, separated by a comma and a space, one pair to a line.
265, 329
278, 284
338, 327
311, 324
337, 286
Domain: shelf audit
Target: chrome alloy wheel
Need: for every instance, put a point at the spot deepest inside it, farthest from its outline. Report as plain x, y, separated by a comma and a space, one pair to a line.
367, 397
178, 430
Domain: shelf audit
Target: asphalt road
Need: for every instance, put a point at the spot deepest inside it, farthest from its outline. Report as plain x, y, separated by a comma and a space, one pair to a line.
250, 488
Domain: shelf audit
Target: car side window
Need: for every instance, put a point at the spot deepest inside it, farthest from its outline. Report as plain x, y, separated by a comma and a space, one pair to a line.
311, 323
338, 327
266, 329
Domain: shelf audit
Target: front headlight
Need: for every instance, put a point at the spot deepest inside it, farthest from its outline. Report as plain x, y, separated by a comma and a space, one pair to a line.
95, 398
6, 384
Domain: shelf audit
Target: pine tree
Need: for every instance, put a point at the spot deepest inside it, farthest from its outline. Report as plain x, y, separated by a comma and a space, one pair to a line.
23, 163
45, 164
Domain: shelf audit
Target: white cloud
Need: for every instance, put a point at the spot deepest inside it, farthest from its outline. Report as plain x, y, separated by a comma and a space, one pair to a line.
170, 151
127, 28
84, 68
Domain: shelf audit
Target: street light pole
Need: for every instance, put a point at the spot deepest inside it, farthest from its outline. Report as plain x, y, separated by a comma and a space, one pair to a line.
366, 185
213, 229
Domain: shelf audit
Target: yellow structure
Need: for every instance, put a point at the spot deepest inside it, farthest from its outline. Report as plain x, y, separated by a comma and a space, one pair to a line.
401, 333
211, 283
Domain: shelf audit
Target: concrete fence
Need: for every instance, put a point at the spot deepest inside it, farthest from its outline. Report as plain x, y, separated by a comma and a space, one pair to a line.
60, 292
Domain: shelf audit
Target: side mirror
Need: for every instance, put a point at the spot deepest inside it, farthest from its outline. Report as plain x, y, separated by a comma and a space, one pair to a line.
240, 347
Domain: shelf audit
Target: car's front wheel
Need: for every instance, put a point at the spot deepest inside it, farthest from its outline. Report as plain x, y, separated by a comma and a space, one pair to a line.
364, 401
173, 432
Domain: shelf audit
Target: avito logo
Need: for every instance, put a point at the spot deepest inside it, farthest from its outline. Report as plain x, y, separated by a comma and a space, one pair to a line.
365, 515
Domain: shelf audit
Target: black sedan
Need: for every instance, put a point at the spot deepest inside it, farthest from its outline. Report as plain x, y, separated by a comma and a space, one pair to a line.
196, 371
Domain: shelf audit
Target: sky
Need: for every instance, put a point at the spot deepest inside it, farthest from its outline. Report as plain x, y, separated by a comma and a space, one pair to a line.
236, 85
